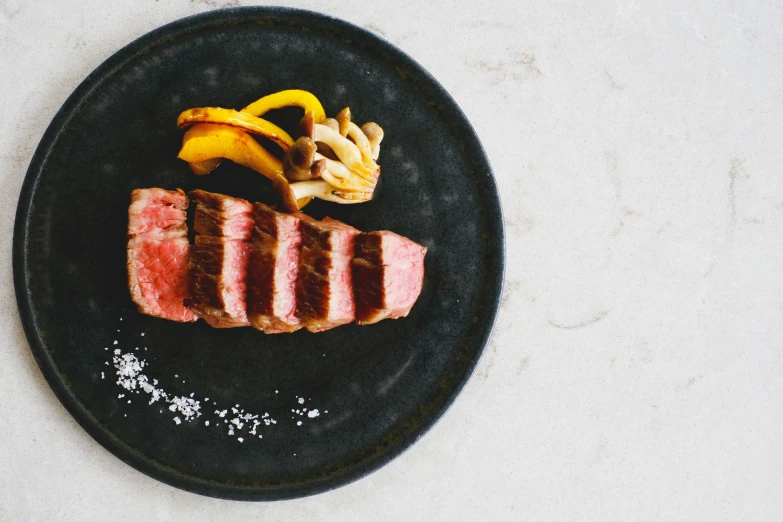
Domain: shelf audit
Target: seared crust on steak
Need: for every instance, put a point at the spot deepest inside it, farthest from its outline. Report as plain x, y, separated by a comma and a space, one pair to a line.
218, 259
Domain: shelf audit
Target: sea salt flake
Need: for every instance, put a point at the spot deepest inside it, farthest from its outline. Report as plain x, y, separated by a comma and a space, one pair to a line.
298, 423
301, 400
176, 419
313, 413
240, 439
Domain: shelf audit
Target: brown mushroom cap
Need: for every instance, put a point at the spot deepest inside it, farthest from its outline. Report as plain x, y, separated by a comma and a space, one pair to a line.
299, 159
374, 134
318, 169
343, 119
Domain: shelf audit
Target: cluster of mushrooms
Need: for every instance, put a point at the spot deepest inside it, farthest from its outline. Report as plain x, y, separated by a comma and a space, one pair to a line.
332, 158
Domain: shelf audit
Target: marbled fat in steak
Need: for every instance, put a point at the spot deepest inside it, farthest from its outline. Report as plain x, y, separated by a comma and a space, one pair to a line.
388, 272
324, 292
158, 251
218, 259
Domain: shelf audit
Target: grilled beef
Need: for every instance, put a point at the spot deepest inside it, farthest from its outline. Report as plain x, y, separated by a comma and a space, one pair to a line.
324, 293
158, 251
218, 259
388, 272
273, 269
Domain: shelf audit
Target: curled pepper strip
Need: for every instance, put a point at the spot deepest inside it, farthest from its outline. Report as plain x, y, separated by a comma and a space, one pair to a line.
281, 99
207, 141
238, 119
202, 168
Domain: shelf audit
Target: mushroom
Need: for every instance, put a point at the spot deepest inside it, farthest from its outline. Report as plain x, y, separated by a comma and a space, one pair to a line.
343, 120
291, 193
337, 151
361, 141
299, 160
346, 150
374, 134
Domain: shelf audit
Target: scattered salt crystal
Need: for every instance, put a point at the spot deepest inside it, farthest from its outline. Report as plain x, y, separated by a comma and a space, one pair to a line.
240, 439
275, 391
298, 423
142, 334
120, 396
116, 342
301, 400
206, 423
102, 376
176, 419
117, 351
313, 413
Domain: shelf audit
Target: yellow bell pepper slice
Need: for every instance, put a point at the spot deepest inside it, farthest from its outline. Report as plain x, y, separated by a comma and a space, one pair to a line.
234, 118
292, 97
207, 141
201, 168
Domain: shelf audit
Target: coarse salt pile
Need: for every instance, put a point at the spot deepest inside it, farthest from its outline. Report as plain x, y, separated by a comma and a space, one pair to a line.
130, 376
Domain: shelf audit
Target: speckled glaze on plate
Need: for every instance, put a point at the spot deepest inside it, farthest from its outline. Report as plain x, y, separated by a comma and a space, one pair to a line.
383, 385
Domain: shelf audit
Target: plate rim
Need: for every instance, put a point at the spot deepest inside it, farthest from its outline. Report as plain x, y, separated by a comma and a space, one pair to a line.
81, 414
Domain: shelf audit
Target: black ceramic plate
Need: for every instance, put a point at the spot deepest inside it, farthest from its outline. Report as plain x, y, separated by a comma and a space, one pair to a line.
382, 385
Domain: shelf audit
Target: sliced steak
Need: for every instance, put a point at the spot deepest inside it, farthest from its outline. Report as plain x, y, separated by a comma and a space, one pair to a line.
324, 293
388, 272
218, 259
273, 269
158, 251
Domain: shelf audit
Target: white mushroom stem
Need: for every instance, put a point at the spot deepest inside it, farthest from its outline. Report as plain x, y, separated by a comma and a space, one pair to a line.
322, 190
374, 134
344, 148
361, 141
348, 180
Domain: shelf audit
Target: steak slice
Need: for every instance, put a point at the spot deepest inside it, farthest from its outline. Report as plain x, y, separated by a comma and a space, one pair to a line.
218, 259
158, 252
273, 269
388, 272
324, 293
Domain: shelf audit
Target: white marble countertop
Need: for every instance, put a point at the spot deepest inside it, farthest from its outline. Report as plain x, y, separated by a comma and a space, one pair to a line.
636, 369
